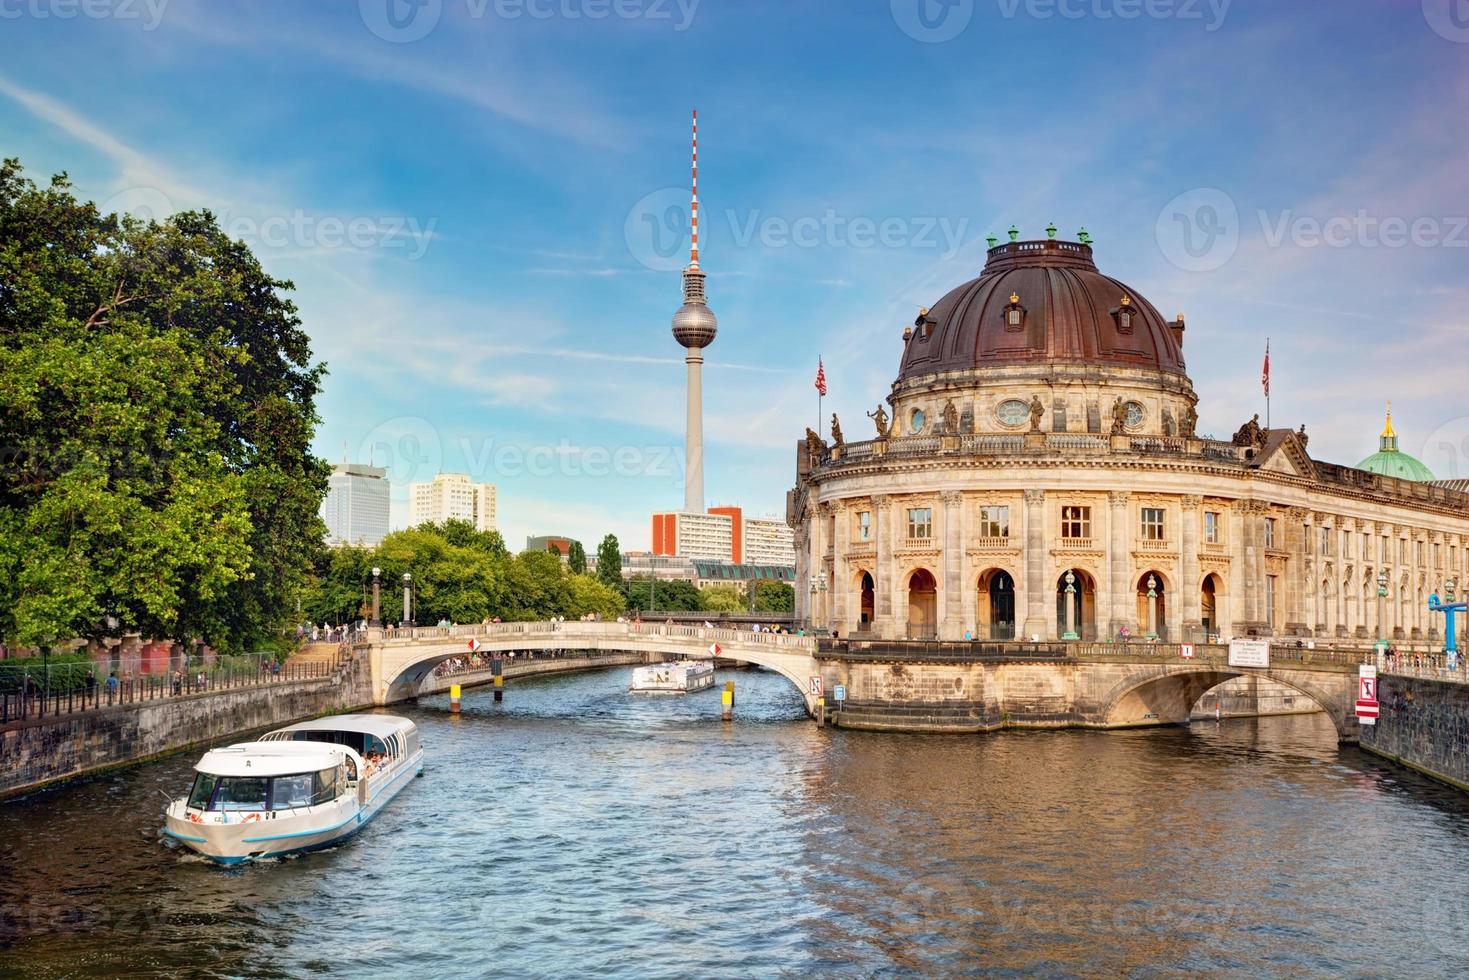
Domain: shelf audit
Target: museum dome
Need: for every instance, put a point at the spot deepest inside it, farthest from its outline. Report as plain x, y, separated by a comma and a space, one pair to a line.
1390, 461
1040, 302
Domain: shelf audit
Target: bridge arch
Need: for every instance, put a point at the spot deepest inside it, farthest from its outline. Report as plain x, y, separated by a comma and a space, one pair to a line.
1167, 695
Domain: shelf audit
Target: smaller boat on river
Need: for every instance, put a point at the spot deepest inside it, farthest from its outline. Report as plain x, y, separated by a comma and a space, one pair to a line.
678, 677
296, 789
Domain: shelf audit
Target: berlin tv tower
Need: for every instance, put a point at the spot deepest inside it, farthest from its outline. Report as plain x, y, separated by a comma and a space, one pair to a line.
694, 326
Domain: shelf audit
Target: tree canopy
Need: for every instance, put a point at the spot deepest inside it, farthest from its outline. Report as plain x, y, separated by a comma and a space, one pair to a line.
157, 404
609, 562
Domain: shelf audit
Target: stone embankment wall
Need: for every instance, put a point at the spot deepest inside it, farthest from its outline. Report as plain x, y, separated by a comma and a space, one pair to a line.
1424, 724
39, 751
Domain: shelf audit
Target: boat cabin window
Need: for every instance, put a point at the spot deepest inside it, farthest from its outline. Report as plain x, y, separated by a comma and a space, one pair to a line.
303, 789
203, 791
241, 793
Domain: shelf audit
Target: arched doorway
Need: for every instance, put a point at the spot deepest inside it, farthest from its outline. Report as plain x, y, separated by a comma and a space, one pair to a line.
867, 601
1211, 613
923, 605
1152, 619
1076, 619
996, 605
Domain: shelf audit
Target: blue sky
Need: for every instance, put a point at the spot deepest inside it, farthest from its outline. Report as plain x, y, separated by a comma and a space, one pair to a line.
479, 204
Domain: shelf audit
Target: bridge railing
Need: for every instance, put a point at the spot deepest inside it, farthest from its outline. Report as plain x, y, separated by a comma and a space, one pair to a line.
600, 630
1426, 666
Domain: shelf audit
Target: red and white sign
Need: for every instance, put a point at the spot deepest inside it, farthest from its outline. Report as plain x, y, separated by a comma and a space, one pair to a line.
1367, 706
715, 649
1186, 651
473, 645
816, 686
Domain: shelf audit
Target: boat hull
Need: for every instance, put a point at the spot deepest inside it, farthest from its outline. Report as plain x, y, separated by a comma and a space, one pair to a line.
288, 832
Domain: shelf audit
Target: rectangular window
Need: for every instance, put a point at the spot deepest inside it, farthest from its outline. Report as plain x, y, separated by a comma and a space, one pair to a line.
994, 522
1211, 527
864, 525
1152, 523
1402, 551
1418, 553
1076, 522
1382, 553
1325, 541
1269, 532
1271, 583
1437, 555
1346, 544
920, 522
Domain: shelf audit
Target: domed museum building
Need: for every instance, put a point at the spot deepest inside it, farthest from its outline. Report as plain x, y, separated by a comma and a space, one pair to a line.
1036, 472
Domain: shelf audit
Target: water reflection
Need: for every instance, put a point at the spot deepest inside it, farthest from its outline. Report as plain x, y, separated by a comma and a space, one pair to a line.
575, 827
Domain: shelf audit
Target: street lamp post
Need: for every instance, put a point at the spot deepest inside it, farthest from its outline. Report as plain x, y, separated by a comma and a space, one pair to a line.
1152, 607
408, 600
377, 619
1070, 632
1381, 595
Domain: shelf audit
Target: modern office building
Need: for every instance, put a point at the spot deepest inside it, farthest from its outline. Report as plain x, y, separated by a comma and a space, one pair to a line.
724, 534
355, 508
545, 542
451, 496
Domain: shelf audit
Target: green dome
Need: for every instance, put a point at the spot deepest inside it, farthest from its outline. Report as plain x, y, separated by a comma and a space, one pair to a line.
1389, 461
1393, 463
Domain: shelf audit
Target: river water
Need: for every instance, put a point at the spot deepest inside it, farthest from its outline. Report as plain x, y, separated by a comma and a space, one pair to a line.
578, 829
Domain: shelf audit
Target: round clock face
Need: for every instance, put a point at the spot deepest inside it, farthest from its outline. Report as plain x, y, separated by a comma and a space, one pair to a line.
1134, 415
1013, 412
916, 421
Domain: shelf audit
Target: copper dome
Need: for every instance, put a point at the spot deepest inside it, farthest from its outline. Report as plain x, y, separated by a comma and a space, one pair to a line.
1038, 302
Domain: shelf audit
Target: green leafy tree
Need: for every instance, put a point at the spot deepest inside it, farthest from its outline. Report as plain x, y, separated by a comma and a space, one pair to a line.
644, 595
609, 562
721, 598
157, 404
577, 559
775, 597
588, 595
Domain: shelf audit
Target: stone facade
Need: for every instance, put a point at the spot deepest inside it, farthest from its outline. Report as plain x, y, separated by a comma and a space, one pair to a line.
1060, 491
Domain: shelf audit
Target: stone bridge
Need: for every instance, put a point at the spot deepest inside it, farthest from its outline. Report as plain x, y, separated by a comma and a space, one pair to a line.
914, 686
401, 659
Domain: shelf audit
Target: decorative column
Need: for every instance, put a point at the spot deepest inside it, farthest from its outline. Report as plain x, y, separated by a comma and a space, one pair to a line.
841, 572
1118, 564
882, 576
1035, 564
1189, 583
1296, 617
951, 617
1152, 607
817, 543
1346, 536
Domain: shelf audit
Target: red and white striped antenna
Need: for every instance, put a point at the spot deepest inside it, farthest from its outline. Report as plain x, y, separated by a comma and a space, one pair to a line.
694, 207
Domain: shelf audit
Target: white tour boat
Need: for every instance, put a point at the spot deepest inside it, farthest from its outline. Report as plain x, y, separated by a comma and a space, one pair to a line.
680, 677
296, 789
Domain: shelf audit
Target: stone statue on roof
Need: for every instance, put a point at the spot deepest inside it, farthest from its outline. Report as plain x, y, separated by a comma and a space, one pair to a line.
1250, 435
836, 431
880, 419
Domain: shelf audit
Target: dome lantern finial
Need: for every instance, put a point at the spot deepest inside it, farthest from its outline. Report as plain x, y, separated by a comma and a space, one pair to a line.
1051, 230
991, 240
1389, 440
1084, 236
1014, 233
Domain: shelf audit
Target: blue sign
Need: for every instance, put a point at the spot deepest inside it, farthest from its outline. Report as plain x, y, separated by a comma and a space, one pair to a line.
839, 692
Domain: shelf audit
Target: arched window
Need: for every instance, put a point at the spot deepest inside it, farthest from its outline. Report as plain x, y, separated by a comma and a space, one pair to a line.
1014, 315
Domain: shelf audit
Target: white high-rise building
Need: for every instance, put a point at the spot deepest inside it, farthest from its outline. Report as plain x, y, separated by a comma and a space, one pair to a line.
356, 505
451, 496
769, 541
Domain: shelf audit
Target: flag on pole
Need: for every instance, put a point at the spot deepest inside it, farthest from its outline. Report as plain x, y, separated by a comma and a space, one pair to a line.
821, 377
1265, 371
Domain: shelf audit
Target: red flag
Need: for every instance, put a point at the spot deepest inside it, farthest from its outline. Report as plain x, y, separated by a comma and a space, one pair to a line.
1265, 371
820, 377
